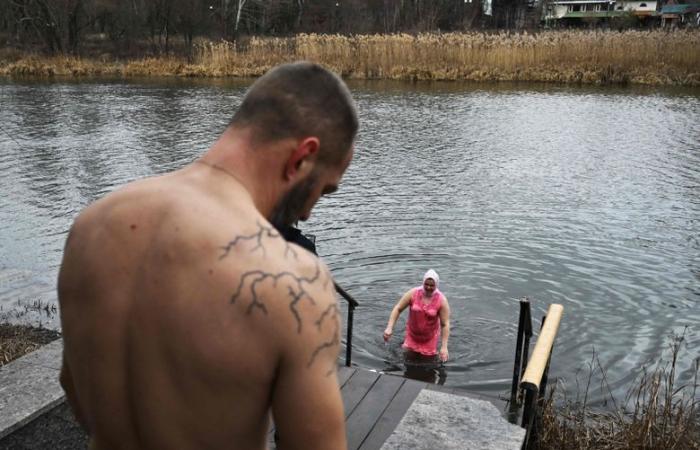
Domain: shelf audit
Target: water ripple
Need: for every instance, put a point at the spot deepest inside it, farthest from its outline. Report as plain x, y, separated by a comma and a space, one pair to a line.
585, 197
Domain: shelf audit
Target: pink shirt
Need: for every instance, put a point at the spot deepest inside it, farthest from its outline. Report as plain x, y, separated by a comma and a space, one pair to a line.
423, 326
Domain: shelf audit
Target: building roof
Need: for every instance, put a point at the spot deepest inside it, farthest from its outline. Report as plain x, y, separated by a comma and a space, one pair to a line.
582, 14
681, 9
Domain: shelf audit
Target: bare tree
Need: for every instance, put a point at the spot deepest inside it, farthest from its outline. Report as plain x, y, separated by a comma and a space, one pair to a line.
61, 25
189, 16
240, 4
38, 18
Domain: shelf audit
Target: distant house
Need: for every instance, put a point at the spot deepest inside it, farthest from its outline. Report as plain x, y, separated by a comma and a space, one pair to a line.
573, 11
679, 13
639, 8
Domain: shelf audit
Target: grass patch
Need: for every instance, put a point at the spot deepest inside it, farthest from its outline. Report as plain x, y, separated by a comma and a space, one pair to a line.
657, 413
591, 57
18, 340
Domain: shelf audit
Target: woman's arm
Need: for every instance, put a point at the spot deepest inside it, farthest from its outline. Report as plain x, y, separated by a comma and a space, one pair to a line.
394, 316
445, 328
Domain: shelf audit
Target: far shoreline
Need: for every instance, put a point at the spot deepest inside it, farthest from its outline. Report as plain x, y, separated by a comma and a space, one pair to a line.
652, 58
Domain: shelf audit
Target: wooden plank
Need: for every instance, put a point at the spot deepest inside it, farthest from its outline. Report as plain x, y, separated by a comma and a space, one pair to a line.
392, 415
365, 415
344, 373
356, 388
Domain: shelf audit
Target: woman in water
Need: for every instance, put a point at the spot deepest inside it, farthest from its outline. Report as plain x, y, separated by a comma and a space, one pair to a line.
428, 315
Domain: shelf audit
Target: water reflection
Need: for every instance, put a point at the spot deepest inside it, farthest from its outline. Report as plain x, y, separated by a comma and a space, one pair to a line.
587, 197
413, 365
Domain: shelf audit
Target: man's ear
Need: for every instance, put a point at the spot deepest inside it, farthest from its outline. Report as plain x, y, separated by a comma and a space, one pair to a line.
302, 158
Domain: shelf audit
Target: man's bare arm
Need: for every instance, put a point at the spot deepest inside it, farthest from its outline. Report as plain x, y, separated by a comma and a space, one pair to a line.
67, 384
307, 406
292, 290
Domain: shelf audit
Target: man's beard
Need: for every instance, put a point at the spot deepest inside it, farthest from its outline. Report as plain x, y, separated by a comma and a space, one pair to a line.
288, 209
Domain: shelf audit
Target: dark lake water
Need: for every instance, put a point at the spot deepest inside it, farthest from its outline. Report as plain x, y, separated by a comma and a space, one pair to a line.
588, 197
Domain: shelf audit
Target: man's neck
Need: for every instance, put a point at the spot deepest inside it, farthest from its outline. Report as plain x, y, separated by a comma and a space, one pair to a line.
233, 158
218, 167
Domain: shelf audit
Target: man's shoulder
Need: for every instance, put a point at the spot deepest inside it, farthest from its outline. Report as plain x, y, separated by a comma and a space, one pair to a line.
284, 291
263, 261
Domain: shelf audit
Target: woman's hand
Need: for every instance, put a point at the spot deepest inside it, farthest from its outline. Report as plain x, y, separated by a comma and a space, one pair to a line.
387, 334
444, 355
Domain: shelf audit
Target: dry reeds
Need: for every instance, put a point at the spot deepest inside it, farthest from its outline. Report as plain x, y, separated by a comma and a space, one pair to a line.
603, 57
657, 413
18, 340
653, 57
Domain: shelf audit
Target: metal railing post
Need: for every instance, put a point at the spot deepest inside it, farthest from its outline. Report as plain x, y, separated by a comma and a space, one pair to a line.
518, 354
521, 349
529, 412
534, 381
528, 335
348, 340
352, 304
543, 382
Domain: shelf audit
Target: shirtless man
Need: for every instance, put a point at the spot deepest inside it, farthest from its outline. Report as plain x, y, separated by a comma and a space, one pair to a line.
186, 318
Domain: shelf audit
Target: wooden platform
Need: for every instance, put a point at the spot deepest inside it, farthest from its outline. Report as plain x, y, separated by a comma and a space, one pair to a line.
381, 410
375, 403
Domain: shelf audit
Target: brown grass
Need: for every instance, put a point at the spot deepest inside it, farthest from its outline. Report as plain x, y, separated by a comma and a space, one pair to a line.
601, 57
18, 340
656, 414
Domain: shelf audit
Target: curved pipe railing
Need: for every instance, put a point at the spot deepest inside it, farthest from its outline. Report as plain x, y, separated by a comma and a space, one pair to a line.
543, 350
534, 381
352, 304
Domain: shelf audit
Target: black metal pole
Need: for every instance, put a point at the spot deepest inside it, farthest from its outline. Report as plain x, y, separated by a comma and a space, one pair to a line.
543, 383
526, 353
345, 295
348, 341
518, 353
528, 416
352, 303
526, 344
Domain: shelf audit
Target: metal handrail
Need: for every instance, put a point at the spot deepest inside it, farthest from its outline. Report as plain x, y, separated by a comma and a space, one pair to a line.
352, 304
534, 381
543, 349
521, 350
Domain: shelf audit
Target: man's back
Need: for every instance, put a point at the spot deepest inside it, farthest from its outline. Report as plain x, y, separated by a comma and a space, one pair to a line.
186, 317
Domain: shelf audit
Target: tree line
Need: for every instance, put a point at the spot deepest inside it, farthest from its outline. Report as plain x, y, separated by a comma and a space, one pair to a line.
130, 27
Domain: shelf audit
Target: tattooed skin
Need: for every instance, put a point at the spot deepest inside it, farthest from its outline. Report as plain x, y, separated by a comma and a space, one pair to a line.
332, 314
263, 231
296, 287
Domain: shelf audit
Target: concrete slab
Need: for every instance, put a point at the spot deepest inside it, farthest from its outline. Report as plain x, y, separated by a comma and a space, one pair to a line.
444, 421
33, 414
48, 356
29, 387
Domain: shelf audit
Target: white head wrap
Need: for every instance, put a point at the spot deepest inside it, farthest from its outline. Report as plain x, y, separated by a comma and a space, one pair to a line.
433, 276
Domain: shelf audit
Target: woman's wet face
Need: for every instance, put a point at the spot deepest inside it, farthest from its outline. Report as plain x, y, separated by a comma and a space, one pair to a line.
429, 286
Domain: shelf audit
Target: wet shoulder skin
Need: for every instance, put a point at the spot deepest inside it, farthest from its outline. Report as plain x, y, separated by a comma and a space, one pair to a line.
187, 319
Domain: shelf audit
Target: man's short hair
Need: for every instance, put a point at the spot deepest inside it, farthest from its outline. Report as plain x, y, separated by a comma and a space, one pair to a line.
298, 100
